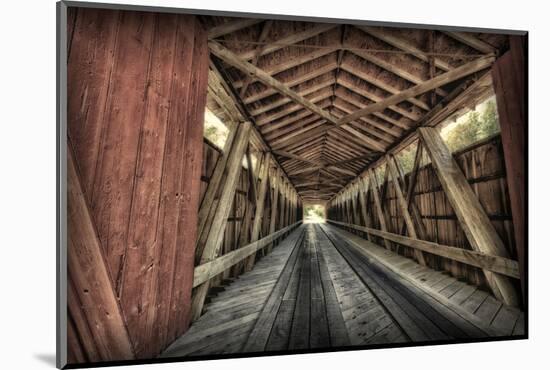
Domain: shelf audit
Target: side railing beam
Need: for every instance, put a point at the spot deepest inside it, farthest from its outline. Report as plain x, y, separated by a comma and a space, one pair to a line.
495, 264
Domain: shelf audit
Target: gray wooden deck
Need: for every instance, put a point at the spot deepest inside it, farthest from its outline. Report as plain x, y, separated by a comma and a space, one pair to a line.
324, 287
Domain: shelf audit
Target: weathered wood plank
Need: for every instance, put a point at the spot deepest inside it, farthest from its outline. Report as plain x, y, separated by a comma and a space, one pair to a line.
440, 80
509, 76
497, 264
336, 325
299, 334
378, 205
403, 206
472, 217
215, 236
90, 280
319, 336
264, 77
259, 335
206, 271
260, 206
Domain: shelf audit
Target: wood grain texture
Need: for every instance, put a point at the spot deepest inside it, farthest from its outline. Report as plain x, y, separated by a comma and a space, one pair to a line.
497, 264
471, 215
97, 331
509, 81
483, 165
137, 84
227, 193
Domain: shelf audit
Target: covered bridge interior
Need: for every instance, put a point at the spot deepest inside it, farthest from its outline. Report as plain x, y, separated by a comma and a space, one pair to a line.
199, 249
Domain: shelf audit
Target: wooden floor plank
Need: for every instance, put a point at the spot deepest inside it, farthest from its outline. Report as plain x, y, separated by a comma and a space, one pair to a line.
505, 319
460, 296
337, 327
519, 327
319, 336
332, 288
488, 309
299, 333
257, 340
280, 333
472, 303
452, 289
409, 325
425, 307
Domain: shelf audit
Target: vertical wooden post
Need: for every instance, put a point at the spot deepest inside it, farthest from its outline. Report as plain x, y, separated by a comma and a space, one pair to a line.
349, 211
384, 187
410, 194
363, 203
509, 81
214, 184
260, 206
287, 201
403, 206
474, 221
354, 210
378, 206
244, 236
274, 205
283, 204
215, 236
289, 205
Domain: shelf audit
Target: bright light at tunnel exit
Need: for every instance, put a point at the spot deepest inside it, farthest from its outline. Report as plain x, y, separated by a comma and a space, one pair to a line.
314, 213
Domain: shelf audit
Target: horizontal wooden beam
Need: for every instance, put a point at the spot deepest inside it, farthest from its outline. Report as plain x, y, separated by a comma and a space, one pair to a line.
283, 153
501, 265
282, 101
290, 82
380, 84
250, 69
288, 63
231, 26
442, 79
293, 38
207, 271
404, 45
471, 41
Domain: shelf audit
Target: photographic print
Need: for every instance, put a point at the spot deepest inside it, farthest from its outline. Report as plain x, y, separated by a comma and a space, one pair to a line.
242, 185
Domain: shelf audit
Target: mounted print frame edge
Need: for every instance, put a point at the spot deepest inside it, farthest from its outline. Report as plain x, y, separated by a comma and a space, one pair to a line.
165, 229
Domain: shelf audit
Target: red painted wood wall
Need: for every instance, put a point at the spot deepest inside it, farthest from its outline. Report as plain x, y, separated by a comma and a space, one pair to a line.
137, 86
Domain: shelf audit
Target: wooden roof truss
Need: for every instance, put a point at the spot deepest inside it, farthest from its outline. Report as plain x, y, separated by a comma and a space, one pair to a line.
329, 100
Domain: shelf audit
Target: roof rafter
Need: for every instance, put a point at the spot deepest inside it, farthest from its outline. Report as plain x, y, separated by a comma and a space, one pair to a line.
327, 68
471, 41
440, 80
404, 45
317, 165
232, 59
291, 63
381, 84
396, 70
232, 26
256, 53
289, 40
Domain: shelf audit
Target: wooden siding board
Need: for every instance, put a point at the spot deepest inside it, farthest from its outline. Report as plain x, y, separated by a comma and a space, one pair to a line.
138, 90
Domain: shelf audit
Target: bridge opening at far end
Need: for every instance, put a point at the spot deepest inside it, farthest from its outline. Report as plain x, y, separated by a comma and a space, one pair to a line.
314, 213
